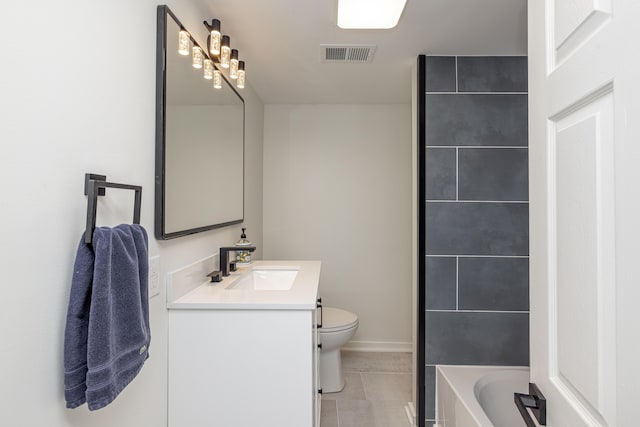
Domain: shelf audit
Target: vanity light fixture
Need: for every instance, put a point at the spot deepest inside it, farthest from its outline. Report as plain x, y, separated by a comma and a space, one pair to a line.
184, 40
197, 57
225, 51
220, 53
241, 75
233, 64
208, 69
217, 79
369, 14
214, 36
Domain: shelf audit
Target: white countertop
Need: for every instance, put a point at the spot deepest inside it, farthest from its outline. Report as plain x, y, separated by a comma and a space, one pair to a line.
211, 295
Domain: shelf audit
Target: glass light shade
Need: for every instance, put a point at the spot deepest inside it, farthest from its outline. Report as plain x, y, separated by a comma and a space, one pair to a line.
217, 79
241, 75
225, 52
368, 14
233, 64
183, 43
197, 57
214, 36
208, 69
214, 44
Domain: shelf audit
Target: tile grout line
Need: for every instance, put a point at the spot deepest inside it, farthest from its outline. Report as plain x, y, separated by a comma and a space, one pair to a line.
476, 201
431, 310
364, 390
457, 175
478, 256
456, 65
430, 92
457, 283
481, 147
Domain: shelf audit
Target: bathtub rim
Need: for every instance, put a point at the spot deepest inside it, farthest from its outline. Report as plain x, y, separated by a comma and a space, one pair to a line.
462, 380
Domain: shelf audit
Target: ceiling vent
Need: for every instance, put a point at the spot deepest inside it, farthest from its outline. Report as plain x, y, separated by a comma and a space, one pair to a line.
347, 53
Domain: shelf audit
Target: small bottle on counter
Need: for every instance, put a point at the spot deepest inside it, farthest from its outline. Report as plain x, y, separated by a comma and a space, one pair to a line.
243, 257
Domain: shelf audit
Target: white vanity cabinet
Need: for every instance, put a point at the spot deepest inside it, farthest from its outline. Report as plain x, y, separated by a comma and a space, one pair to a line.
236, 365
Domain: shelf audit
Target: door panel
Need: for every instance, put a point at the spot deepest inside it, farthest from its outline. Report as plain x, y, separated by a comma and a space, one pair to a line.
582, 361
575, 21
582, 93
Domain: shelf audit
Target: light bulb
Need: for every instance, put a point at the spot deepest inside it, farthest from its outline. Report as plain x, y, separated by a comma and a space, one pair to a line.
217, 79
183, 42
208, 69
225, 51
241, 75
233, 64
197, 57
214, 42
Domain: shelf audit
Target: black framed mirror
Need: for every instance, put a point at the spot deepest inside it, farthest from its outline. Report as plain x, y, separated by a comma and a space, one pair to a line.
199, 180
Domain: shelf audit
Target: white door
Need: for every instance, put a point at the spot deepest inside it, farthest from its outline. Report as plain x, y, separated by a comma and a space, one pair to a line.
584, 103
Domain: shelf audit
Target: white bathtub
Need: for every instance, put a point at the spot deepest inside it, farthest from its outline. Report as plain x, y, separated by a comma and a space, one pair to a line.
479, 396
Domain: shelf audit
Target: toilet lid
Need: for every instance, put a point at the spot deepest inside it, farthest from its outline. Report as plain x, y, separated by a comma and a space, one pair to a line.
335, 319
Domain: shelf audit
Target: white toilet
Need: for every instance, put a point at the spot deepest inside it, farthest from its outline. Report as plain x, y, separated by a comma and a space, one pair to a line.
338, 326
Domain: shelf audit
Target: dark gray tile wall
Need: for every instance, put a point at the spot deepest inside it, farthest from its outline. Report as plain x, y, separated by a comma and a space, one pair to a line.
440, 170
430, 395
478, 119
497, 174
477, 338
492, 74
441, 74
441, 282
493, 284
458, 228
477, 214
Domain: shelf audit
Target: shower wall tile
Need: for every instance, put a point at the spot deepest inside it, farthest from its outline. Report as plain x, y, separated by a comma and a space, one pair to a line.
441, 283
440, 173
480, 338
463, 120
495, 174
493, 284
440, 73
477, 228
477, 214
492, 73
430, 392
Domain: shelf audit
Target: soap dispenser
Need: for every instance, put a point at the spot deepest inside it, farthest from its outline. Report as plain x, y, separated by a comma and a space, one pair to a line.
243, 257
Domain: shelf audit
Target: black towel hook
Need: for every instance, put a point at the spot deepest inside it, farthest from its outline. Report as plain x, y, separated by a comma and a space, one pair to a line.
95, 185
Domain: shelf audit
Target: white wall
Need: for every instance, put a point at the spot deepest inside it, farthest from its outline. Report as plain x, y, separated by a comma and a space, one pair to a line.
78, 95
337, 187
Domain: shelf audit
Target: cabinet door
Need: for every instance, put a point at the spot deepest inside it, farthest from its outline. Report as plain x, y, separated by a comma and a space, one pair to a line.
239, 368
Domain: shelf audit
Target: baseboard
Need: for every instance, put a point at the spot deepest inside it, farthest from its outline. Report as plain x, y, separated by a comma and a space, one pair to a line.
379, 346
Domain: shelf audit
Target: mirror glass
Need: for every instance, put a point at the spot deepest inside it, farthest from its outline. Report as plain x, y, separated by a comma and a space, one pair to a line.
199, 143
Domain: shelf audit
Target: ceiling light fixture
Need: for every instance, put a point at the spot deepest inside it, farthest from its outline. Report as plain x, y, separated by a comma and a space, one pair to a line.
369, 14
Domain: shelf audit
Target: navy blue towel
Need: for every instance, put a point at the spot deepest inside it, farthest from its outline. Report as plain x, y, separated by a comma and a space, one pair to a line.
107, 333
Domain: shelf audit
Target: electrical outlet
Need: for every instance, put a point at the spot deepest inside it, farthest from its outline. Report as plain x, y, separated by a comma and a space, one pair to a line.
154, 276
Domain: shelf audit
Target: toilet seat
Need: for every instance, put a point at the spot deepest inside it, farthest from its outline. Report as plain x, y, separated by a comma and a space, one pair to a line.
335, 320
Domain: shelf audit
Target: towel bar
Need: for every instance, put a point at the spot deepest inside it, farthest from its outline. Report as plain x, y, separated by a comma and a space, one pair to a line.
96, 185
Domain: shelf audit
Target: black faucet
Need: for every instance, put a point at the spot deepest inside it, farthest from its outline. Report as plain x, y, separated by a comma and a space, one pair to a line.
224, 256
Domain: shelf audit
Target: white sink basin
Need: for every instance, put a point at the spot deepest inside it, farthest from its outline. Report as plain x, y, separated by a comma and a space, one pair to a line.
266, 279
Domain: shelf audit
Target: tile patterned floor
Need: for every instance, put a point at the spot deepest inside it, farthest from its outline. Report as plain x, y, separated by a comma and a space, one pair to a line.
378, 386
